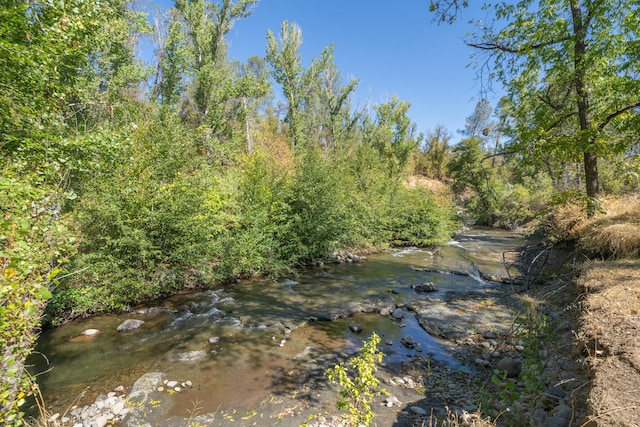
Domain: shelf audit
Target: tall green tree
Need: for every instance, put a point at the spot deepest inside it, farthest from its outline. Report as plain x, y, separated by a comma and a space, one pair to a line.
571, 73
288, 70
393, 134
215, 91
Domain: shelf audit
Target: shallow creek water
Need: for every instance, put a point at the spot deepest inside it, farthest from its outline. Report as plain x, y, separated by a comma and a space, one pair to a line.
250, 361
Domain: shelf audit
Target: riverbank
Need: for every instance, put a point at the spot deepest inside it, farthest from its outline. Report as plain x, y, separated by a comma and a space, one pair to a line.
443, 345
554, 326
607, 285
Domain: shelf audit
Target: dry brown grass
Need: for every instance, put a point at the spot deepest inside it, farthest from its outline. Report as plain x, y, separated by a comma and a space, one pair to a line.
614, 234
439, 189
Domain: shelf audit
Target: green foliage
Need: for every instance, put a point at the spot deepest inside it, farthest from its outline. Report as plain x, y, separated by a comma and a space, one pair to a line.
33, 244
145, 225
290, 73
358, 382
505, 397
496, 195
431, 158
570, 78
418, 219
312, 220
393, 135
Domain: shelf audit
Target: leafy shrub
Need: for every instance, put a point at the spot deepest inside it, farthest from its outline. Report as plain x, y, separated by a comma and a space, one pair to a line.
358, 382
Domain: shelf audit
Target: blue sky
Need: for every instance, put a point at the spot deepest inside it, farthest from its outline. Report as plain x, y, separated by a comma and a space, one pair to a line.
394, 48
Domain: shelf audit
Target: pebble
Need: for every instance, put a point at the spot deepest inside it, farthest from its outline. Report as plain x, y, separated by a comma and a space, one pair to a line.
391, 401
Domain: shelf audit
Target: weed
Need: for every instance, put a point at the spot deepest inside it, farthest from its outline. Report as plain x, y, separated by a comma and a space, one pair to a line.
358, 383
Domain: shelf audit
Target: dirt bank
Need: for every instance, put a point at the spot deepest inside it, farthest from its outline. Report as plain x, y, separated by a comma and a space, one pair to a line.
609, 340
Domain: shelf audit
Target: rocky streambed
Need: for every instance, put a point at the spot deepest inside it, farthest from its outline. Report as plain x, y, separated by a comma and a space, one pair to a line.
256, 353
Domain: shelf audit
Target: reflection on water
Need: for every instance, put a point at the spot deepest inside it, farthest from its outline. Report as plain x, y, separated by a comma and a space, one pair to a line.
250, 318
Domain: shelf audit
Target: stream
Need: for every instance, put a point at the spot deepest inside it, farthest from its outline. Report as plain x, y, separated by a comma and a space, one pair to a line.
241, 342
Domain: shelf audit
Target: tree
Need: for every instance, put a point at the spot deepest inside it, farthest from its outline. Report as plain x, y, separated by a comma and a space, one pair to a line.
393, 134
571, 73
255, 75
172, 61
337, 117
216, 95
435, 152
290, 73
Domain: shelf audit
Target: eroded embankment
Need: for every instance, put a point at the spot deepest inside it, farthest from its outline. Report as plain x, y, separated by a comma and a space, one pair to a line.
609, 339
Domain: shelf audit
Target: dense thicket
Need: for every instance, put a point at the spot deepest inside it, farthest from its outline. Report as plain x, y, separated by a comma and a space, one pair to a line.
123, 181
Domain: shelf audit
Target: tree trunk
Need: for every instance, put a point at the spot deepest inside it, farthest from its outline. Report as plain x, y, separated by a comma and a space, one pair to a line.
579, 53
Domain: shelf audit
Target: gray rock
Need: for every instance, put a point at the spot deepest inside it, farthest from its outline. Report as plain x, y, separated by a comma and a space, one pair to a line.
418, 410
424, 287
552, 397
384, 312
391, 401
90, 332
482, 362
511, 366
562, 411
304, 353
356, 328
117, 408
214, 340
397, 314
188, 356
129, 325
408, 341
489, 335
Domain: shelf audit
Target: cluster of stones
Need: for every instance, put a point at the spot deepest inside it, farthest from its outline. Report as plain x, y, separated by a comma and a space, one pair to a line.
342, 257
107, 409
171, 386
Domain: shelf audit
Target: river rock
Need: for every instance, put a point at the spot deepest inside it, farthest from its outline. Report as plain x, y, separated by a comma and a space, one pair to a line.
424, 287
188, 356
397, 314
100, 421
418, 410
304, 353
391, 401
90, 332
356, 328
130, 324
553, 397
214, 340
408, 341
118, 407
511, 366
556, 422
